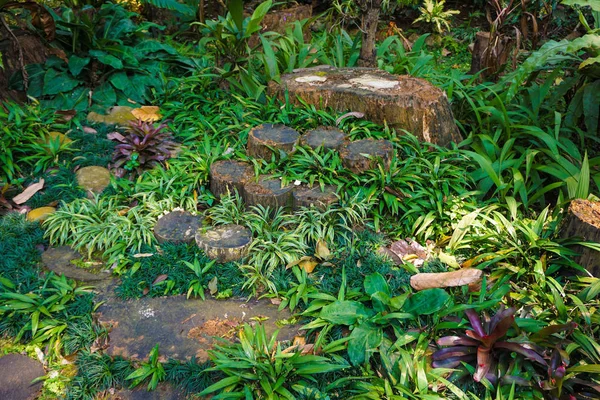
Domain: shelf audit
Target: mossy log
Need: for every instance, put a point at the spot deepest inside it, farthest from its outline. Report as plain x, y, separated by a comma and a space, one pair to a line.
366, 154
583, 220
402, 101
263, 138
177, 227
268, 192
305, 196
229, 176
327, 136
224, 243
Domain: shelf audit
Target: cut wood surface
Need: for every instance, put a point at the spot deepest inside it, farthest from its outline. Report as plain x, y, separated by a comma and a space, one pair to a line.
583, 220
366, 154
177, 227
305, 196
461, 277
268, 139
268, 192
229, 176
329, 137
402, 101
224, 243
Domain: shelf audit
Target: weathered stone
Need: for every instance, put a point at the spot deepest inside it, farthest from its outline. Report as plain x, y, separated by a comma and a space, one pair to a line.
327, 136
40, 214
263, 138
224, 243
162, 392
305, 196
268, 192
177, 227
229, 176
93, 179
402, 101
59, 260
366, 154
118, 115
16, 375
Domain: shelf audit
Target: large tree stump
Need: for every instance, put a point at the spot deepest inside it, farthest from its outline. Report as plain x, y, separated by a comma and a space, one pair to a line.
225, 243
305, 196
583, 220
366, 154
268, 192
329, 137
177, 227
402, 101
263, 138
279, 20
229, 176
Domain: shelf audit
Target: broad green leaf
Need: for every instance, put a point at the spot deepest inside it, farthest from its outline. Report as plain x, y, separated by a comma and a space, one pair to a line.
426, 302
257, 17
376, 283
343, 312
105, 95
107, 59
58, 82
364, 339
594, 4
120, 81
236, 9
76, 64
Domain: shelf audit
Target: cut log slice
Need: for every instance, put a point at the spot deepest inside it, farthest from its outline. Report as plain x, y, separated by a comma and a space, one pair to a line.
583, 220
93, 179
308, 197
401, 101
263, 138
366, 154
229, 176
224, 243
327, 136
177, 227
268, 192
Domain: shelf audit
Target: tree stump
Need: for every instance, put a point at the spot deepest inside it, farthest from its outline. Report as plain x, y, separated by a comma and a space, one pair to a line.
224, 243
403, 102
177, 227
366, 154
263, 138
487, 57
583, 220
305, 196
228, 176
327, 136
268, 192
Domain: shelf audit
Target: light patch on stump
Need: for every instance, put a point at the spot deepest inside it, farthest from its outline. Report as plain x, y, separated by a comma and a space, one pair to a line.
374, 82
311, 79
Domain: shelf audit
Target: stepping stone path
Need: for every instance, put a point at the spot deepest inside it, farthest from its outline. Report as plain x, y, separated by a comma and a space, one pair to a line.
162, 392
327, 136
58, 260
182, 327
16, 374
402, 101
177, 227
224, 243
268, 192
305, 196
263, 138
118, 115
229, 176
40, 214
362, 155
93, 179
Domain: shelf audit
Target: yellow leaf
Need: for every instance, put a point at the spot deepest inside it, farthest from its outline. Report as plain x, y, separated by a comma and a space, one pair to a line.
322, 251
147, 113
308, 265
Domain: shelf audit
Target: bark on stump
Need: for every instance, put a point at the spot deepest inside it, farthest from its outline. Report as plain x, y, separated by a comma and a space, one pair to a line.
402, 101
263, 138
225, 243
321, 199
228, 176
362, 155
177, 227
279, 20
327, 136
583, 220
489, 58
268, 192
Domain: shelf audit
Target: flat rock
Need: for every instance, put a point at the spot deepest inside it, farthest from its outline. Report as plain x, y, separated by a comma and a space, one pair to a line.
177, 227
224, 243
58, 260
40, 214
162, 392
402, 101
93, 179
182, 327
118, 115
16, 374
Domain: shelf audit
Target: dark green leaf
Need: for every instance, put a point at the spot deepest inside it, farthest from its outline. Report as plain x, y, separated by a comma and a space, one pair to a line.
76, 64
58, 82
426, 302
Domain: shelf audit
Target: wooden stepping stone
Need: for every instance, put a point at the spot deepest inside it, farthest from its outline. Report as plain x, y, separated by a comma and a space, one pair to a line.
229, 176
327, 136
177, 227
263, 138
93, 179
40, 214
401, 101
366, 154
268, 192
59, 260
16, 374
224, 243
305, 196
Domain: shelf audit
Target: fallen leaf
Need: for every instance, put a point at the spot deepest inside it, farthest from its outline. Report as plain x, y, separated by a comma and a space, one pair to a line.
446, 53
212, 286
322, 251
275, 301
66, 115
89, 130
461, 277
308, 265
411, 251
350, 114
143, 255
160, 278
115, 136
29, 192
146, 291
147, 113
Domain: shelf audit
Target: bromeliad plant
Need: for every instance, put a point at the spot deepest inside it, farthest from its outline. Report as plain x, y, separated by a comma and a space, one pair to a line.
143, 147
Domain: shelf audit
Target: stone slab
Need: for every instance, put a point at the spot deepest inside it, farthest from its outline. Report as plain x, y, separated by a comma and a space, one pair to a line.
16, 374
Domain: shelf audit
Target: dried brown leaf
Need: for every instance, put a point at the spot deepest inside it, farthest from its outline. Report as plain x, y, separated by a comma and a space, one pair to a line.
147, 113
160, 278
461, 277
29, 192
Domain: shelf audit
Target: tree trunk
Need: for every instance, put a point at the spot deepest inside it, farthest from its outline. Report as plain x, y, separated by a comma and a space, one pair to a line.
583, 221
369, 31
